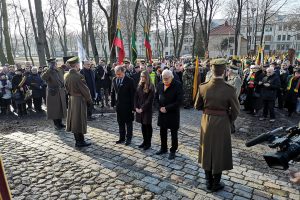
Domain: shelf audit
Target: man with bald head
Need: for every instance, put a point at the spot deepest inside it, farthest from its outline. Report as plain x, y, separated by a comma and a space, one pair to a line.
89, 76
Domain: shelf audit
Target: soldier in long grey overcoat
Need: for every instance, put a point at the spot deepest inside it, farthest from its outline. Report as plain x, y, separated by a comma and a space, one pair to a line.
220, 106
79, 98
56, 94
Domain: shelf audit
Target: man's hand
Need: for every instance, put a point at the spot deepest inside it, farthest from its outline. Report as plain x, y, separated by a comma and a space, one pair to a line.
163, 109
267, 84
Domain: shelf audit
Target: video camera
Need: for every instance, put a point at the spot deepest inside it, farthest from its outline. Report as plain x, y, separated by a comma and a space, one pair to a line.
288, 146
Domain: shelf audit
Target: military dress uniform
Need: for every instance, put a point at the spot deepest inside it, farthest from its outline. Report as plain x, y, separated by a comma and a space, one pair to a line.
220, 107
77, 106
187, 85
55, 94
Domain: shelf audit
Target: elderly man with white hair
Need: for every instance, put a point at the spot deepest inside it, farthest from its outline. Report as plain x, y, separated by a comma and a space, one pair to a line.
169, 94
270, 85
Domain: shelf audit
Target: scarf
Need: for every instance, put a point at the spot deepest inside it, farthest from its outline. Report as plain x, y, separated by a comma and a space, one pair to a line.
251, 81
296, 89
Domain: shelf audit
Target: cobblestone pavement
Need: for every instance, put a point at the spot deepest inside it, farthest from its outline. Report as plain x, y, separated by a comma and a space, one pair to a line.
42, 163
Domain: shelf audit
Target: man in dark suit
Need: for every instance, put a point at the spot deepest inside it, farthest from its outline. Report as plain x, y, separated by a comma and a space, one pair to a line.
122, 96
89, 76
103, 81
169, 95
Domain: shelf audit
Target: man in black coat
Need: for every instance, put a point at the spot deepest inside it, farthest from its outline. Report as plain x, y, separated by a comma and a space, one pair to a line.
89, 76
270, 85
122, 96
103, 81
169, 94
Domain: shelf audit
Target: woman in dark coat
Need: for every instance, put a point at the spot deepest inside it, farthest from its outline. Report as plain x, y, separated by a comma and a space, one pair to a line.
143, 102
18, 92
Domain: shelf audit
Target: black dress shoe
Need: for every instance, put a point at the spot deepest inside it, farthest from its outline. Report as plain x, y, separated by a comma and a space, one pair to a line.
120, 141
142, 145
128, 142
82, 144
160, 152
217, 187
171, 156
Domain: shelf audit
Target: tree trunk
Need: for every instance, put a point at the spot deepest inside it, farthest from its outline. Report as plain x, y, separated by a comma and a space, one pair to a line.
3, 59
185, 6
9, 54
26, 35
21, 34
86, 38
238, 26
255, 32
39, 45
91, 31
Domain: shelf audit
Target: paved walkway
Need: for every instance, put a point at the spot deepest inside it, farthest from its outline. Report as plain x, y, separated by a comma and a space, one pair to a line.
43, 164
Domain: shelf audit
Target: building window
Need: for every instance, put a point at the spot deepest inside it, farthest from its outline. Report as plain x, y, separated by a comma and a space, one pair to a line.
268, 28
278, 37
280, 27
289, 37
298, 37
283, 37
282, 47
268, 38
166, 53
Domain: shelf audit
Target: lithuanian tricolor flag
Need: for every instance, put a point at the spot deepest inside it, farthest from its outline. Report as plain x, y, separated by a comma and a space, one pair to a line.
4, 189
118, 42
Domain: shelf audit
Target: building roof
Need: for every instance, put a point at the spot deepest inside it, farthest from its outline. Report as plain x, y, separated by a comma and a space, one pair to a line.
224, 29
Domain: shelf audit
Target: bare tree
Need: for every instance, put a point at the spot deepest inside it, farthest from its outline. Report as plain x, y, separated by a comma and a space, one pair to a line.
111, 18
58, 12
20, 29
26, 31
269, 9
3, 59
194, 18
84, 27
177, 27
91, 31
206, 10
240, 4
10, 58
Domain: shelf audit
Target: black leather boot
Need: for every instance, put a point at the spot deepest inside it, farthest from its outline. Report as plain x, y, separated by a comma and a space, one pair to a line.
209, 179
217, 184
80, 142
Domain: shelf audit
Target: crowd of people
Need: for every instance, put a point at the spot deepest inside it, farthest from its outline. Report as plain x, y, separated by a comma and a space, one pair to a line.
260, 88
134, 91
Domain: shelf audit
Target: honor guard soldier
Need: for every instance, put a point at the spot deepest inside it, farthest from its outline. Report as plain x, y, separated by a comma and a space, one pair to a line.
220, 106
79, 98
